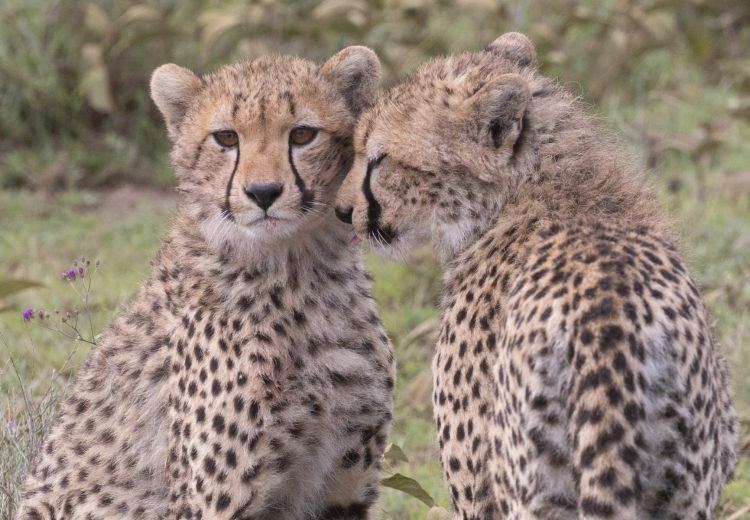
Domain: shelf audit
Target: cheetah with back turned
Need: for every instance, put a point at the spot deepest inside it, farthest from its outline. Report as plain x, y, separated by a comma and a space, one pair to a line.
576, 374
251, 376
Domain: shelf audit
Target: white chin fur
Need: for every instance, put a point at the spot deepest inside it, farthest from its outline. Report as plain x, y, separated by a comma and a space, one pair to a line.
449, 239
400, 247
247, 242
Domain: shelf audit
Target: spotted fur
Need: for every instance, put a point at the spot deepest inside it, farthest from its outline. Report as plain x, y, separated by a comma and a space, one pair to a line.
576, 373
251, 376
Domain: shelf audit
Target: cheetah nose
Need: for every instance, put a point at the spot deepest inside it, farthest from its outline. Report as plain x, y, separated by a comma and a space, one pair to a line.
345, 214
263, 193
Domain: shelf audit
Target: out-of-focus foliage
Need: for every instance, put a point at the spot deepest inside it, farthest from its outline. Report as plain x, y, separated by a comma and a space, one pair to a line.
74, 74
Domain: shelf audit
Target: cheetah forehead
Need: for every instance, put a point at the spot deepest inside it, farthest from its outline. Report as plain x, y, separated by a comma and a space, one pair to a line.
434, 94
270, 85
264, 72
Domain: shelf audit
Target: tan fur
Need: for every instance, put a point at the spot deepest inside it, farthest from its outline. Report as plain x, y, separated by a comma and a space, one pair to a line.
251, 376
576, 374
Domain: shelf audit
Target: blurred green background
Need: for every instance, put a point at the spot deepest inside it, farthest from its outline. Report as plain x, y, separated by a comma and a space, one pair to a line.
84, 163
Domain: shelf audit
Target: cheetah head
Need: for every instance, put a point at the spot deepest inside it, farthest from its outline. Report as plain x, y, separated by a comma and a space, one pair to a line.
260, 147
438, 153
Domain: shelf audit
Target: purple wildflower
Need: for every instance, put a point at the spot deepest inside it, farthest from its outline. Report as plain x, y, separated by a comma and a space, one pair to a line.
71, 274
80, 272
40, 314
28, 314
11, 424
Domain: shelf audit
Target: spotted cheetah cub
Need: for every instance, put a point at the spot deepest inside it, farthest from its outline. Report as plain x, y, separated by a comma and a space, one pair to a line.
251, 377
576, 374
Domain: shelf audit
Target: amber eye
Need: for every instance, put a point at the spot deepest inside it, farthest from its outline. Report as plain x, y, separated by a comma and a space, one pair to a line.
303, 134
227, 138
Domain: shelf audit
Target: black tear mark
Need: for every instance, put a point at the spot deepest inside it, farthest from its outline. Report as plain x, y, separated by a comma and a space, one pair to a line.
308, 197
226, 209
373, 206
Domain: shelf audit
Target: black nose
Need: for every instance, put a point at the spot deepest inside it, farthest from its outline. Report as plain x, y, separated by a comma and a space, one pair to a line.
263, 193
345, 214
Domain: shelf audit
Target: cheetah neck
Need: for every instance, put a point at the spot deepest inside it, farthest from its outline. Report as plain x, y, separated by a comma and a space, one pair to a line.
504, 236
567, 169
451, 239
575, 170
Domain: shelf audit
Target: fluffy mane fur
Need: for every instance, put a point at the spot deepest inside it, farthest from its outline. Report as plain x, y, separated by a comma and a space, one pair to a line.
581, 172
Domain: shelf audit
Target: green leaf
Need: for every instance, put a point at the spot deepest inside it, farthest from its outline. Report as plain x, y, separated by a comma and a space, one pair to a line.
438, 513
409, 486
10, 286
394, 454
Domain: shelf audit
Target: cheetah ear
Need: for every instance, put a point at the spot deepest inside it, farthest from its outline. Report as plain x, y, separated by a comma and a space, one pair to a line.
516, 48
355, 72
172, 89
499, 108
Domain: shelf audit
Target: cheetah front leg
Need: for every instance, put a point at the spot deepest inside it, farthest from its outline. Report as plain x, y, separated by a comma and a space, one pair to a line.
531, 471
635, 436
355, 477
606, 403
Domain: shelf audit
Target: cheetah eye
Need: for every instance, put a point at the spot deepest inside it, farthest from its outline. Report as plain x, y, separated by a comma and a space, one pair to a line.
302, 135
226, 138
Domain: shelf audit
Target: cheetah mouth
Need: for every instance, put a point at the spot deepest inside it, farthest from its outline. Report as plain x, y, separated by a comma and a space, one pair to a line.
381, 235
266, 222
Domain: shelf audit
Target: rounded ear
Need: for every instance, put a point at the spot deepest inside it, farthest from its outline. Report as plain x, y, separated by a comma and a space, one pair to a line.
499, 107
172, 89
516, 48
355, 72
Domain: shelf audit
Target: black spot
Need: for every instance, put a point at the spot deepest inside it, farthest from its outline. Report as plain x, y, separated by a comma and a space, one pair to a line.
218, 423
209, 465
351, 458
231, 457
587, 456
629, 455
610, 336
223, 502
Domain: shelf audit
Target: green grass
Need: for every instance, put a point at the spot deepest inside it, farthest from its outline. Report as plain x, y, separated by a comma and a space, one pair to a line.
43, 237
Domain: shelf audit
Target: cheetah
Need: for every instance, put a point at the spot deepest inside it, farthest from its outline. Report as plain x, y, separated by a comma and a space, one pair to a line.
576, 374
251, 376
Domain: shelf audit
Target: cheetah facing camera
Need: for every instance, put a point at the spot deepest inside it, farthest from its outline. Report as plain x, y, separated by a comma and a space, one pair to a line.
576, 374
251, 376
